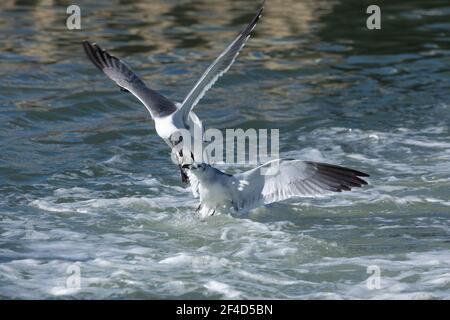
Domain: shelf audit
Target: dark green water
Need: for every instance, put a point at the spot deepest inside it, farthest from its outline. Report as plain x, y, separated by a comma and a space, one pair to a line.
86, 182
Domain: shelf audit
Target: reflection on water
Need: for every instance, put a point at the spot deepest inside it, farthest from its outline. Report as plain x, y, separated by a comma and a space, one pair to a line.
84, 178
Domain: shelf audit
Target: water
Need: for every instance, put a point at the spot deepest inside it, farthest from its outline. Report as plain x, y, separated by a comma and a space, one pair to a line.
87, 186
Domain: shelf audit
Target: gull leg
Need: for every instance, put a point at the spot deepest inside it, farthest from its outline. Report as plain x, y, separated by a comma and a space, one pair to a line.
184, 177
197, 212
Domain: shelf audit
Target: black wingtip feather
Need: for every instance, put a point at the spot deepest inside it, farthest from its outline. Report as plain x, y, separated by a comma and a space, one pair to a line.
339, 169
90, 50
248, 29
338, 178
99, 57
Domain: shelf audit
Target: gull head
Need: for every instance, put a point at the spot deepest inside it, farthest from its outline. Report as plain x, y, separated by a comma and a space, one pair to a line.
175, 139
199, 167
200, 170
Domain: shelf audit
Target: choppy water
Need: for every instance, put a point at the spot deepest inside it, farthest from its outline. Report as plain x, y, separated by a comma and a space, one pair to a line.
85, 180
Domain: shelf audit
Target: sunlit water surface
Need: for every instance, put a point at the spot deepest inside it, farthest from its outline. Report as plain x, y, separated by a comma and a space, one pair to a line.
85, 181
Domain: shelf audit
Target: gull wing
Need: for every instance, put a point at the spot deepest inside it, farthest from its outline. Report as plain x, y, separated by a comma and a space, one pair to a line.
125, 78
281, 179
221, 65
195, 184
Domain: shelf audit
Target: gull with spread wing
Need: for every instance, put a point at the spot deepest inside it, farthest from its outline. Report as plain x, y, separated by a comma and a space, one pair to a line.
170, 117
277, 180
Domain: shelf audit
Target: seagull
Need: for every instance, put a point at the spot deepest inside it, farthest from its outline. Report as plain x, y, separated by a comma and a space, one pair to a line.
171, 117
274, 181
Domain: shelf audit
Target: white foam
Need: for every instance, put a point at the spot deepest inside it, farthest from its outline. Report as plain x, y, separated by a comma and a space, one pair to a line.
223, 289
269, 279
196, 263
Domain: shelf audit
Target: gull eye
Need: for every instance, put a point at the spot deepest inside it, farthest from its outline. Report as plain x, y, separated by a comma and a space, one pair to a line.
175, 142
